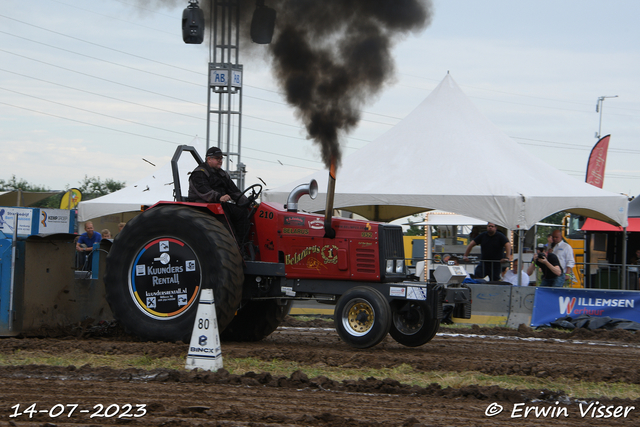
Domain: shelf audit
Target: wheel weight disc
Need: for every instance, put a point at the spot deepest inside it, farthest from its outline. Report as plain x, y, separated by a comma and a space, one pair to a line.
164, 279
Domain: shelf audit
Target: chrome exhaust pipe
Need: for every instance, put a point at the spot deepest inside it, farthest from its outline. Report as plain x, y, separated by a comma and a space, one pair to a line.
311, 189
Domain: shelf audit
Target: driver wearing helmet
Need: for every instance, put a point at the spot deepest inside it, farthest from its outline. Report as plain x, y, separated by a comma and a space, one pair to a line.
209, 183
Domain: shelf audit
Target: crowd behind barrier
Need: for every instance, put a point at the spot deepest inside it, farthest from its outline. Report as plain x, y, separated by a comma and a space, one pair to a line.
598, 275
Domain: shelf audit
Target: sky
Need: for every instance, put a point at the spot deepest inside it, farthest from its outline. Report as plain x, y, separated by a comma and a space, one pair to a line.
108, 89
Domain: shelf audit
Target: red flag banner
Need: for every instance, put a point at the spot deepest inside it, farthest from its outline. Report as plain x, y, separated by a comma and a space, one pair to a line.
597, 162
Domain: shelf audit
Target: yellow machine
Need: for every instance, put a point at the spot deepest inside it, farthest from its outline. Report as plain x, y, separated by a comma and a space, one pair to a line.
414, 247
409, 252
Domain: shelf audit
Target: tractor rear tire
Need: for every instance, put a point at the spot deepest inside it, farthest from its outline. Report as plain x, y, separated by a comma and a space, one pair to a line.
362, 317
412, 324
256, 320
158, 265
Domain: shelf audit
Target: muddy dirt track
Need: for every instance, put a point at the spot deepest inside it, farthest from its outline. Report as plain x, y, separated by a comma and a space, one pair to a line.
182, 398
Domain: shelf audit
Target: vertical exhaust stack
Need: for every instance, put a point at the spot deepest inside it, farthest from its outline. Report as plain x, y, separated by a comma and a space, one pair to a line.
328, 211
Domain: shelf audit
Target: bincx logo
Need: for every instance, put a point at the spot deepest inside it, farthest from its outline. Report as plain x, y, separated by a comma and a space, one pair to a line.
202, 340
566, 304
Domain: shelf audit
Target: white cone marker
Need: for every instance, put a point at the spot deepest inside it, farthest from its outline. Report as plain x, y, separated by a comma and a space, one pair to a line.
204, 349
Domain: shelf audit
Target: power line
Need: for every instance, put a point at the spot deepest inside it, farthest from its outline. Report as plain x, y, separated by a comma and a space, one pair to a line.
568, 146
100, 78
93, 112
147, 59
248, 96
156, 74
89, 124
99, 45
141, 124
102, 60
115, 18
101, 95
563, 145
515, 94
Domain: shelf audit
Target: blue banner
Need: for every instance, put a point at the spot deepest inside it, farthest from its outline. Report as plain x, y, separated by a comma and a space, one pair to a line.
553, 303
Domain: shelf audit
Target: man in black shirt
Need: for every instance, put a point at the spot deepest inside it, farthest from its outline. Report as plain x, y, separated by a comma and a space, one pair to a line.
209, 183
494, 249
549, 265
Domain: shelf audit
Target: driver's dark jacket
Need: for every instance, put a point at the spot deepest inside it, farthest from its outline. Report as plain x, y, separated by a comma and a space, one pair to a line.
208, 185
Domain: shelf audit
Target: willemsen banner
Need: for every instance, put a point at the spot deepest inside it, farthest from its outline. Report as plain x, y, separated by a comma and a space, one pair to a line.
553, 303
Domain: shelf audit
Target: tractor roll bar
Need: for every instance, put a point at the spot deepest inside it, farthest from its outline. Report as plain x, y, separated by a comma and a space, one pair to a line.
177, 191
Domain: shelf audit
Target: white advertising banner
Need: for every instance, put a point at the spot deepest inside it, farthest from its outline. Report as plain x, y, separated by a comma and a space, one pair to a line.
54, 221
8, 220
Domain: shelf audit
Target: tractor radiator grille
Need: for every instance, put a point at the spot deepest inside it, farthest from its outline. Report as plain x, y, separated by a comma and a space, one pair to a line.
365, 260
391, 242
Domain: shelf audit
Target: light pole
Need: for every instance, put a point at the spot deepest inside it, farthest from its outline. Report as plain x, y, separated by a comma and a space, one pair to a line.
599, 110
224, 100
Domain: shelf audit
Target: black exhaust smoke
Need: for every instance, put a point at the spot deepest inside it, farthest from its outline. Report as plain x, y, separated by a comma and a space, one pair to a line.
329, 56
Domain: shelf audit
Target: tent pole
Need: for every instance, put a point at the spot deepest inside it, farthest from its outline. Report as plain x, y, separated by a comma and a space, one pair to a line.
623, 284
520, 252
427, 245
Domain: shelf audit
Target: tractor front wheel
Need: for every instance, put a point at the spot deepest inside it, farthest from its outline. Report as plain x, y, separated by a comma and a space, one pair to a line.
362, 317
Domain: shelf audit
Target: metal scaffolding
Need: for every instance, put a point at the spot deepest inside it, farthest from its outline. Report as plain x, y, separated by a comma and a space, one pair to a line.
224, 100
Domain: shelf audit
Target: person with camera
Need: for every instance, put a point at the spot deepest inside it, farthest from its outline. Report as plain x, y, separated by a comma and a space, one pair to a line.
549, 265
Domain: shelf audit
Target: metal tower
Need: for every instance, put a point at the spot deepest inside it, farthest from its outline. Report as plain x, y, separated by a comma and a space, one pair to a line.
224, 100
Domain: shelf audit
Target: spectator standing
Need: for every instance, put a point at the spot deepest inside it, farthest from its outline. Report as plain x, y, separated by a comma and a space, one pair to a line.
564, 252
494, 249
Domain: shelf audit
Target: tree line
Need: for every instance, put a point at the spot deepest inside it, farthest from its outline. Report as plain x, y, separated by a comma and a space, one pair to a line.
90, 187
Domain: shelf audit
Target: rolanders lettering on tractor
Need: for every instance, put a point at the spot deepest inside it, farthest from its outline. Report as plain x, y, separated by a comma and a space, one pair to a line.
165, 256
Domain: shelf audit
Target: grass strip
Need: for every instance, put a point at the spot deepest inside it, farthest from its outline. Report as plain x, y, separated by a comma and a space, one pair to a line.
403, 373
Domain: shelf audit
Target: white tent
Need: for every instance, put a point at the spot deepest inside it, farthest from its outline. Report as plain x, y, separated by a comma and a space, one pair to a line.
156, 187
446, 155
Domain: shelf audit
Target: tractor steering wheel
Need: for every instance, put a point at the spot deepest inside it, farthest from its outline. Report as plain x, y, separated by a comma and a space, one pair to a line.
253, 193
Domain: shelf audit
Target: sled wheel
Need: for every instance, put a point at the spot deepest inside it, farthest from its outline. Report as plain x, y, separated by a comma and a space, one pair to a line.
256, 320
362, 317
412, 323
158, 265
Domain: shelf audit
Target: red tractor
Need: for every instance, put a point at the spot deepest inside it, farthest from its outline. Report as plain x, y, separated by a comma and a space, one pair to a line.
161, 260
